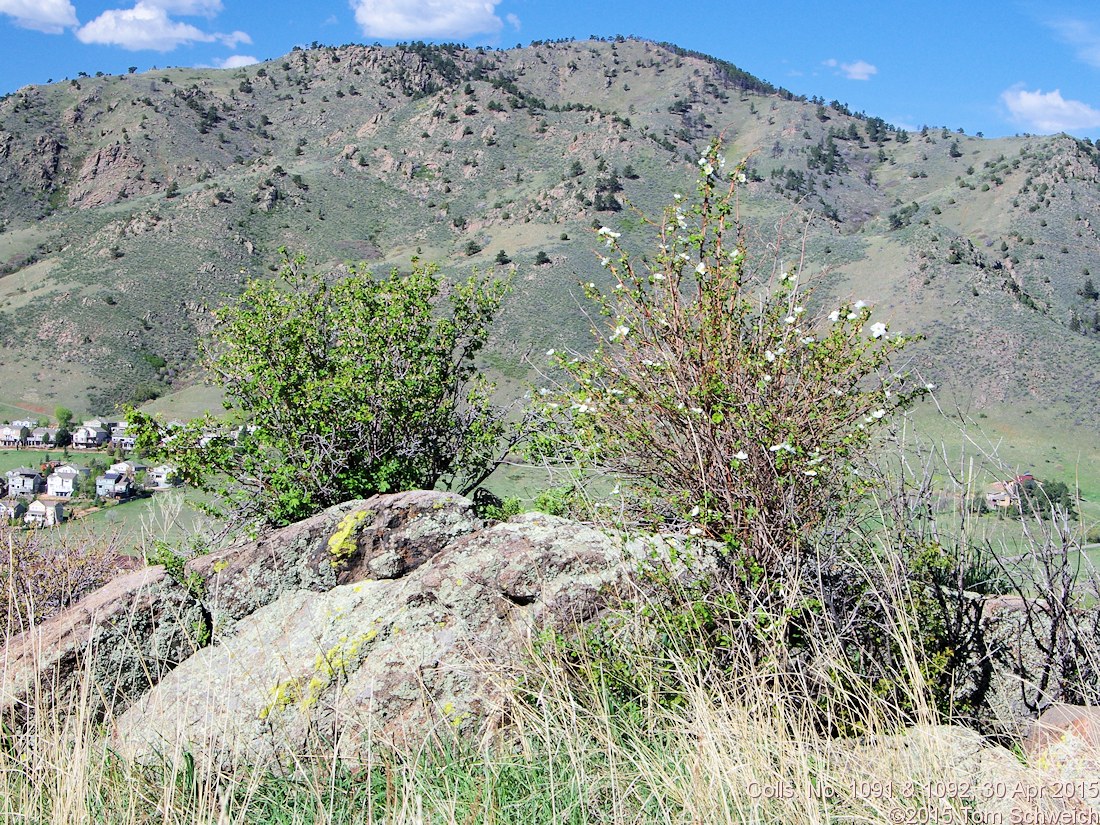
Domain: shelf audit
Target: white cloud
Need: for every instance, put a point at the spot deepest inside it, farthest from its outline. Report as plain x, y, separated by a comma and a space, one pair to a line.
1082, 36
148, 26
426, 18
859, 70
513, 21
49, 16
236, 61
1048, 112
199, 8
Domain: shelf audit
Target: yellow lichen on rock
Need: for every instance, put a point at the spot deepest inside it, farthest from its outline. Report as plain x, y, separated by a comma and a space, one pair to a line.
341, 544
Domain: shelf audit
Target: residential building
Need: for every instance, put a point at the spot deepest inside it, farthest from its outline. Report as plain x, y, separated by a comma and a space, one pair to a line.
24, 481
44, 514
161, 476
63, 481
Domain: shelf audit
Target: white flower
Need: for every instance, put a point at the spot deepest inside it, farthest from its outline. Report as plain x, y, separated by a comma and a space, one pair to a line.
550, 352
741, 456
767, 379
621, 331
859, 304
851, 316
878, 413
775, 448
694, 511
834, 316
878, 329
695, 531
605, 262
677, 196
581, 408
701, 269
591, 285
930, 387
799, 310
809, 472
657, 276
769, 356
789, 319
809, 339
741, 178
606, 232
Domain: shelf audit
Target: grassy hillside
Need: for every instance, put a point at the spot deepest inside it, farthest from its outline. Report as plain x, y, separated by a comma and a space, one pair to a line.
132, 205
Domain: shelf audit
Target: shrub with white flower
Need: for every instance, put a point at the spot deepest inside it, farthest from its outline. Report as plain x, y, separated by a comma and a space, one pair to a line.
748, 431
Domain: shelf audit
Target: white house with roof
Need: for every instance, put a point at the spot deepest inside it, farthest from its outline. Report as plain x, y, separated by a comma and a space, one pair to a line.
113, 484
24, 481
11, 508
162, 476
89, 436
42, 437
9, 436
63, 481
44, 514
130, 467
121, 438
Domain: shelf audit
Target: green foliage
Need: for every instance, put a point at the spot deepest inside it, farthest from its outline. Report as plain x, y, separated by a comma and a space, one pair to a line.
1045, 498
338, 389
716, 399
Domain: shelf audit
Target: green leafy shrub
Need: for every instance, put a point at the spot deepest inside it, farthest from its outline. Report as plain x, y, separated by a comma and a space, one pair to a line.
339, 388
714, 396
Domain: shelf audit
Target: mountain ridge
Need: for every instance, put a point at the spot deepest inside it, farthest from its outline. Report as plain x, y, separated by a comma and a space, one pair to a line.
131, 205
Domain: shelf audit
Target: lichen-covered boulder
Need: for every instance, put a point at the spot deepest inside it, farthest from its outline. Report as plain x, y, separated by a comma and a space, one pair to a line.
384, 536
103, 652
382, 659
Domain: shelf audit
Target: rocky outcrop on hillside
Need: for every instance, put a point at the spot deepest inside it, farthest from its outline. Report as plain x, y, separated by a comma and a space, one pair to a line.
117, 641
393, 658
390, 620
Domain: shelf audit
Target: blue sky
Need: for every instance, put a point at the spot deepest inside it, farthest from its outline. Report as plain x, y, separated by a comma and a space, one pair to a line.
1000, 67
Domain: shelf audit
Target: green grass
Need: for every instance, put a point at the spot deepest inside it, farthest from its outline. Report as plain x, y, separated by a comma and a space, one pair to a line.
10, 459
169, 516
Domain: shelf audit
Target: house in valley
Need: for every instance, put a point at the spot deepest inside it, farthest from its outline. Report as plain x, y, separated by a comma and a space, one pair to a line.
89, 436
42, 437
63, 481
162, 477
11, 508
24, 481
44, 514
113, 484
